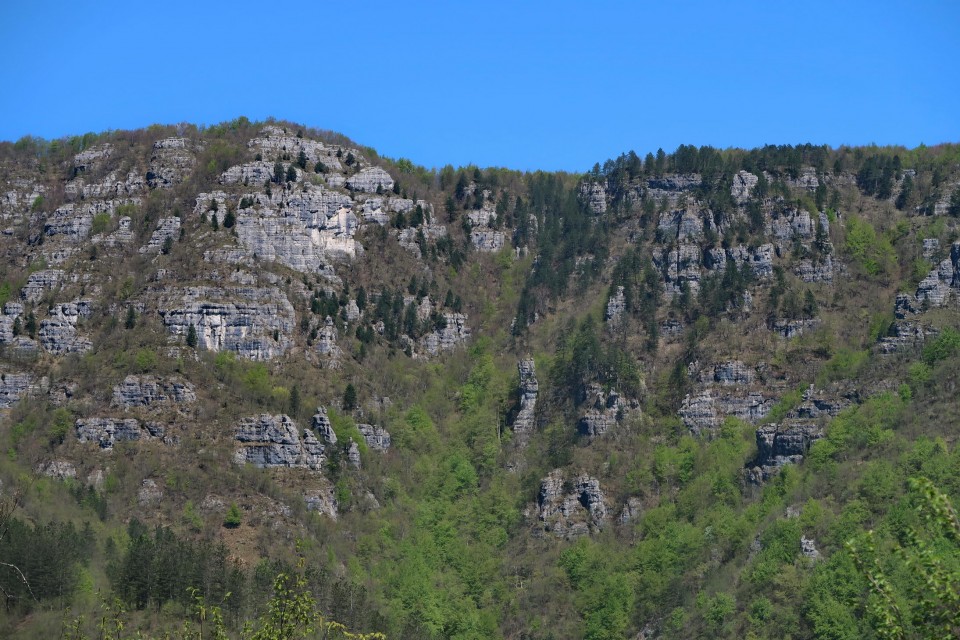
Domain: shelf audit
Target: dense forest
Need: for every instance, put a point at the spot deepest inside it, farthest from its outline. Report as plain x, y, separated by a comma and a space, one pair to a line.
260, 382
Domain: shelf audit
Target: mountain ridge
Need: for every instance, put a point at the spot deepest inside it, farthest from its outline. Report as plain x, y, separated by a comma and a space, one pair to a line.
493, 403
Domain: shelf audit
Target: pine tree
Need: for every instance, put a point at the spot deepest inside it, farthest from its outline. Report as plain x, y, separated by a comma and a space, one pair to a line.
349, 398
192, 337
234, 517
131, 318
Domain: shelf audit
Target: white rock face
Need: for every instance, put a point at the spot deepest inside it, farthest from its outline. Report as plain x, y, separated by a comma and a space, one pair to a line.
573, 512
616, 306
113, 185
595, 195
303, 230
255, 173
12, 387
58, 332
605, 409
806, 180
166, 228
58, 469
327, 346
486, 240
152, 391
150, 494
377, 438
743, 184
106, 432
705, 411
455, 333
274, 142
370, 179
275, 441
173, 159
39, 283
89, 157
941, 283
254, 323
322, 501
524, 423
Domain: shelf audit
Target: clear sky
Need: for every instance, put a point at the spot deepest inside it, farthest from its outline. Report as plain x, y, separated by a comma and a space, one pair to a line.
526, 85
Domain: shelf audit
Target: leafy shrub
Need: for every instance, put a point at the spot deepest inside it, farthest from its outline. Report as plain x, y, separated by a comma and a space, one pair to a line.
943, 346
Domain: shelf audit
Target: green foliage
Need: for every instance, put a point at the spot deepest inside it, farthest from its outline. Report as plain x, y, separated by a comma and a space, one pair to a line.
101, 223
924, 602
871, 251
945, 345
145, 360
349, 397
788, 402
844, 365
234, 517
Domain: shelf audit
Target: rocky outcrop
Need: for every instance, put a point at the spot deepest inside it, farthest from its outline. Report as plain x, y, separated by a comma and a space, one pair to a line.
152, 391
570, 510
454, 333
525, 421
808, 548
370, 180
815, 271
759, 260
594, 194
113, 185
680, 266
616, 306
39, 283
13, 386
322, 501
806, 180
605, 410
322, 427
789, 441
303, 229
330, 352
106, 432
930, 248
791, 223
270, 441
778, 445
254, 323
675, 182
904, 335
631, 510
792, 328
58, 332
377, 438
743, 184
173, 159
682, 225
705, 411
353, 454
167, 228
732, 372
57, 469
941, 283
88, 158
274, 142
487, 240
150, 494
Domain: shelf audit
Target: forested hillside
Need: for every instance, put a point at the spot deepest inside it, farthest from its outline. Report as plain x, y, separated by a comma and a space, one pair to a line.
258, 381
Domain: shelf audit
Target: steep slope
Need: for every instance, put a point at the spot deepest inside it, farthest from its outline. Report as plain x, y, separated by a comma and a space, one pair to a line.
658, 398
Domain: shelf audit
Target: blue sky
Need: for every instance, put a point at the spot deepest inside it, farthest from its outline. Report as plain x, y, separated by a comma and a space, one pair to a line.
527, 85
